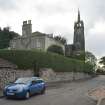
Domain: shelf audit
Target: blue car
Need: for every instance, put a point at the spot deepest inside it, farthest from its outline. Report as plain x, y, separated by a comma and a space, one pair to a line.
25, 87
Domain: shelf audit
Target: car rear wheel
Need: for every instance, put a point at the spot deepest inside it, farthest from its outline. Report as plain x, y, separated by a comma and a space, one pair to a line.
27, 95
43, 91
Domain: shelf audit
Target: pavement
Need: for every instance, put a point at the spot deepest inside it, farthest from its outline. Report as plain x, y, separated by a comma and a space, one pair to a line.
1, 94
102, 102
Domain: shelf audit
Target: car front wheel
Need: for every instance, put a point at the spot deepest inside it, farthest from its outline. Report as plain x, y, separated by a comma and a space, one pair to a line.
27, 95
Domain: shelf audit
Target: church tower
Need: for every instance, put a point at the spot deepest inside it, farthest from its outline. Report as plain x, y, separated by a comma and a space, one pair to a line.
79, 39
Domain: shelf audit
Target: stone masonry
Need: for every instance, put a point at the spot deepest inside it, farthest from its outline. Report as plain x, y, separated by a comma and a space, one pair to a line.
9, 72
50, 76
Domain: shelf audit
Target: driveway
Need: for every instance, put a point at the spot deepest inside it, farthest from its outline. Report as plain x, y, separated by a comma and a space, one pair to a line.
73, 93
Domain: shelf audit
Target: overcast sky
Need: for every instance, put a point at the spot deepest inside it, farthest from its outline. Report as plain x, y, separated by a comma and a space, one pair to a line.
58, 17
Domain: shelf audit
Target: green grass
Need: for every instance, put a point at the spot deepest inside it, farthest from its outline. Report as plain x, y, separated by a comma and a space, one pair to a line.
31, 59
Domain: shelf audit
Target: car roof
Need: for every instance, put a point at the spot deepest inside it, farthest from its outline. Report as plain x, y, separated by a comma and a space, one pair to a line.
32, 78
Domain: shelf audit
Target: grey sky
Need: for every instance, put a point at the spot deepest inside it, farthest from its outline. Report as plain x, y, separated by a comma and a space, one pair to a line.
5, 6
58, 16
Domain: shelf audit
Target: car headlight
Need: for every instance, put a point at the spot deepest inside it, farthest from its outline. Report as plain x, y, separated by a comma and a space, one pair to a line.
5, 87
20, 89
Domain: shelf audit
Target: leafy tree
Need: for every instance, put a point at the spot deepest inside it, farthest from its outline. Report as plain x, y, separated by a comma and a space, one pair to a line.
61, 39
56, 49
90, 58
102, 61
5, 36
100, 70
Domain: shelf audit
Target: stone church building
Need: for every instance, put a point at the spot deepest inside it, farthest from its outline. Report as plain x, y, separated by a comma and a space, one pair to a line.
78, 45
41, 41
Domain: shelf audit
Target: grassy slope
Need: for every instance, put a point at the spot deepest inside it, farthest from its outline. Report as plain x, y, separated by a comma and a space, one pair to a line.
26, 59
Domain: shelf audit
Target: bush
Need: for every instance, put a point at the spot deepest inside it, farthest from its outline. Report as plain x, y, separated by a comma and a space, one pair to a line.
79, 56
100, 71
26, 59
56, 49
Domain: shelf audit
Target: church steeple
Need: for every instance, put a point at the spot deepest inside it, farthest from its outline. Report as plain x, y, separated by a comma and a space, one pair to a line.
78, 15
79, 38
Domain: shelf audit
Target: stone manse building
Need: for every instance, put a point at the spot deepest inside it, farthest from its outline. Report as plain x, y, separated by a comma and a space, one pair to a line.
42, 41
35, 40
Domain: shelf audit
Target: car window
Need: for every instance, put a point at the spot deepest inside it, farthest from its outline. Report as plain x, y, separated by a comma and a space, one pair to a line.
24, 80
39, 81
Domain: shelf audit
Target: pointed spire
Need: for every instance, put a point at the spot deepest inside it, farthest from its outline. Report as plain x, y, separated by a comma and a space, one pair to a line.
78, 15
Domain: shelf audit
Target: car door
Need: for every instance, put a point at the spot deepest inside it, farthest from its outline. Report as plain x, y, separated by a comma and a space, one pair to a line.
41, 85
33, 87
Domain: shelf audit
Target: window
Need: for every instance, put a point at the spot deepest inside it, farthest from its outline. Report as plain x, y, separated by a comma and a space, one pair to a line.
39, 81
38, 43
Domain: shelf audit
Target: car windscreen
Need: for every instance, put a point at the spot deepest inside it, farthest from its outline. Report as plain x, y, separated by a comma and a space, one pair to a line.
23, 80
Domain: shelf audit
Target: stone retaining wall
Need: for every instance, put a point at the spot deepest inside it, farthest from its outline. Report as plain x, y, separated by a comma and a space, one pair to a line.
9, 75
50, 76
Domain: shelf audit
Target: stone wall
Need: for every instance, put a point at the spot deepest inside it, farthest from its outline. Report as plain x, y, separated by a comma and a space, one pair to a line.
32, 42
9, 75
50, 76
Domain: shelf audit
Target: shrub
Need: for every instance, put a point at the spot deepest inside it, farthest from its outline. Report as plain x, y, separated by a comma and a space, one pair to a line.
56, 49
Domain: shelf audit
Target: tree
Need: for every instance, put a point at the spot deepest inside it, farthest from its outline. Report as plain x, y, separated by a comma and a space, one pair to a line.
100, 70
5, 36
56, 49
90, 58
61, 39
102, 61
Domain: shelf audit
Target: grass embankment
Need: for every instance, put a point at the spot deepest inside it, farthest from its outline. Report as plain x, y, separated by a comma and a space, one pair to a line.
26, 59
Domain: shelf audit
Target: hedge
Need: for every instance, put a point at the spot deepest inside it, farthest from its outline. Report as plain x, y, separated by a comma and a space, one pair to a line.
33, 59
